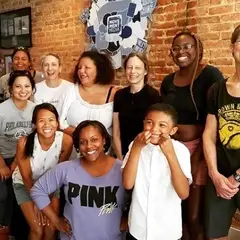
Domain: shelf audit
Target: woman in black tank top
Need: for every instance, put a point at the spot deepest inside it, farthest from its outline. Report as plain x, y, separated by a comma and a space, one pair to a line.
186, 90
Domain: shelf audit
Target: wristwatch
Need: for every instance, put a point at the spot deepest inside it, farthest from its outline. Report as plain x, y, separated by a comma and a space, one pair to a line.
236, 177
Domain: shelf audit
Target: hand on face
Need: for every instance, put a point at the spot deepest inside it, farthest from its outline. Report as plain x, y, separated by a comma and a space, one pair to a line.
165, 143
143, 138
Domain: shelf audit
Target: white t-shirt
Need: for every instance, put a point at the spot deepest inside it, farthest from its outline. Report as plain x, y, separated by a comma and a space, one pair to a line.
55, 96
155, 211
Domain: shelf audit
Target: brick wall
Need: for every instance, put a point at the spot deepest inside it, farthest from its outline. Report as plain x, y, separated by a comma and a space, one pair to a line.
216, 20
170, 17
56, 28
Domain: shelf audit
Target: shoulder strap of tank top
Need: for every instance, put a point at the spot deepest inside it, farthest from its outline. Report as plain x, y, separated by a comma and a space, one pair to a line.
109, 94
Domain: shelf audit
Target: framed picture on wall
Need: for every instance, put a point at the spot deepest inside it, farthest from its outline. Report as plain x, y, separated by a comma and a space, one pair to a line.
16, 28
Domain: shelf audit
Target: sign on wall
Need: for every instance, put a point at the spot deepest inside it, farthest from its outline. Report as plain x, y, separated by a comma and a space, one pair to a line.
118, 27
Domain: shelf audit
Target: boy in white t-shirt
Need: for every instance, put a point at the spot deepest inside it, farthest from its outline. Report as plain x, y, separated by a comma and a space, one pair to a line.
158, 170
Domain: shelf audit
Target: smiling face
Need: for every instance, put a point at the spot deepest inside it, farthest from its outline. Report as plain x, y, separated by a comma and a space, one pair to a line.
21, 89
21, 61
87, 71
51, 67
158, 123
91, 143
46, 123
184, 51
135, 70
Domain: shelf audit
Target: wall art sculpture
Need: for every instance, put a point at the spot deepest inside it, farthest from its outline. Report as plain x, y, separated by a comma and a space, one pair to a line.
118, 27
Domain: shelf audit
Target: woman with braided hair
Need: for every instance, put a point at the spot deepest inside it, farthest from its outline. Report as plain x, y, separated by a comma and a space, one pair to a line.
186, 90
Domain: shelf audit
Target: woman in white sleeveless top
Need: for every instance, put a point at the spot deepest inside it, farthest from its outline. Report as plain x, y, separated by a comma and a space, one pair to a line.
92, 96
36, 154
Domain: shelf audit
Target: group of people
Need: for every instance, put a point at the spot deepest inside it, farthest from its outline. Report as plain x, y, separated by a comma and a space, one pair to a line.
146, 164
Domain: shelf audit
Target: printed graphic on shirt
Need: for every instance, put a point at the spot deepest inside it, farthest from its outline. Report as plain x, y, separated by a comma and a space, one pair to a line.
52, 101
229, 126
103, 198
17, 129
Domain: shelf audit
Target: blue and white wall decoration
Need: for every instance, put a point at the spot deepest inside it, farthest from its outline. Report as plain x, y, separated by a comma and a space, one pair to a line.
118, 26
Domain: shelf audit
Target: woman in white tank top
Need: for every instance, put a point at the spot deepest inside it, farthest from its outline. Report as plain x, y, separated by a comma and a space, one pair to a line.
92, 96
36, 154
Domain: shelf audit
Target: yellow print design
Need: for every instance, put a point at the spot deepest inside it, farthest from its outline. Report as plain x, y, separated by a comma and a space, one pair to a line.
229, 126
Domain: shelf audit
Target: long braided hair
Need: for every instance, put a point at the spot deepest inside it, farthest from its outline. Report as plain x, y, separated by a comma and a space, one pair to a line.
199, 50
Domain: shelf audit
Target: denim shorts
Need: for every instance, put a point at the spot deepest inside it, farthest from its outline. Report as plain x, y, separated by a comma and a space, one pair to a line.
21, 193
23, 196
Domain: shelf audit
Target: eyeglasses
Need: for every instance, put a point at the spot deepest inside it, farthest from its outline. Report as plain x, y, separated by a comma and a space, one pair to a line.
185, 47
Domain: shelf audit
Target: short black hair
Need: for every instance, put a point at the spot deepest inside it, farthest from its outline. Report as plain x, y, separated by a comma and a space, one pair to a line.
165, 108
20, 73
93, 123
104, 66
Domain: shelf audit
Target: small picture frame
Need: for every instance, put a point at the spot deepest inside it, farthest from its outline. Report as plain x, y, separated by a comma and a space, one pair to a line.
16, 28
8, 63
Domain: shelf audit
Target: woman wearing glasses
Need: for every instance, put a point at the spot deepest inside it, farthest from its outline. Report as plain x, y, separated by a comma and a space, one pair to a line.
21, 60
186, 90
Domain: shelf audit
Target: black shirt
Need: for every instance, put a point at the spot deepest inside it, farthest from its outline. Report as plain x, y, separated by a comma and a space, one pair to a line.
180, 97
131, 108
226, 108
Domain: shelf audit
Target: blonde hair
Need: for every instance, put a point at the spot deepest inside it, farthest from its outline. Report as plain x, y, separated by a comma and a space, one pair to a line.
51, 54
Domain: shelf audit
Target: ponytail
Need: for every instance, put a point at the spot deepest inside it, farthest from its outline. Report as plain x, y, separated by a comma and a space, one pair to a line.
28, 150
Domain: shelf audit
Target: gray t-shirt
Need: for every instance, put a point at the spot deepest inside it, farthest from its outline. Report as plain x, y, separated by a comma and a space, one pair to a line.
4, 92
14, 123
